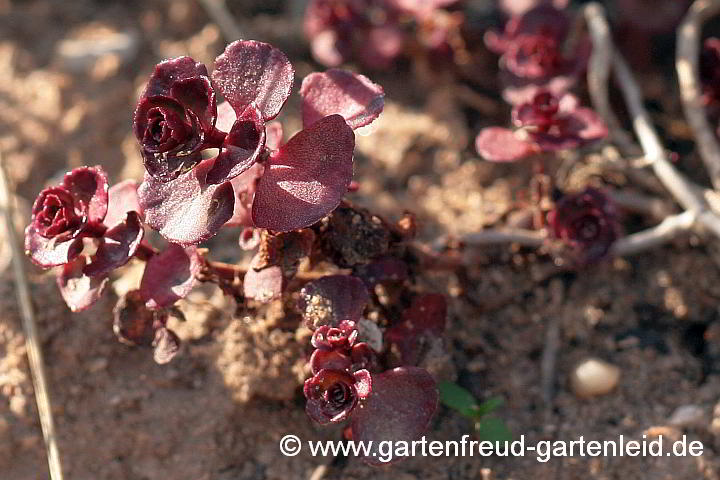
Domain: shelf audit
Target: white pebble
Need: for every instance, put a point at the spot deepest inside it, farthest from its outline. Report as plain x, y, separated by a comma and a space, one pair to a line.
593, 377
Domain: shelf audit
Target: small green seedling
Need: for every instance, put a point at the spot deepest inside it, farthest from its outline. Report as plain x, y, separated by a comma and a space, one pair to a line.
487, 427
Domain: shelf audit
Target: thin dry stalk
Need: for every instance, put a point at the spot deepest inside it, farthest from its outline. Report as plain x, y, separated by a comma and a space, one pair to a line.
523, 237
687, 63
32, 341
598, 74
664, 232
218, 12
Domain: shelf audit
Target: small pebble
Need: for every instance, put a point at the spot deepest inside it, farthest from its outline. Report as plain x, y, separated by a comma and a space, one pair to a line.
593, 377
687, 416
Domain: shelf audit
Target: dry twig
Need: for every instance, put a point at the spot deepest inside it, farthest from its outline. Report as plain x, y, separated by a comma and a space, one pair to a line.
218, 12
687, 63
598, 75
32, 340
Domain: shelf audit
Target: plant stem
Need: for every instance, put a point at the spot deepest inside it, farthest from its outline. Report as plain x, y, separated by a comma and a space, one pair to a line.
687, 64
32, 338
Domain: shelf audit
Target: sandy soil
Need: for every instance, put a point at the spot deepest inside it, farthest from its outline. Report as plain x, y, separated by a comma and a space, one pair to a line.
219, 409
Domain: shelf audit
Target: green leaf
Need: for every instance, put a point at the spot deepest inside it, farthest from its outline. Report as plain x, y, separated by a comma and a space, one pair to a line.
488, 406
457, 398
493, 429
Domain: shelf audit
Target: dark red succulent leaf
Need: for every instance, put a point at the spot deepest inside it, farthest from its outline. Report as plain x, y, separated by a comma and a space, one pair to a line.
254, 72
244, 187
241, 148
352, 236
341, 337
63, 214
363, 357
424, 319
587, 223
170, 275
368, 29
89, 188
117, 246
47, 253
263, 284
330, 24
383, 45
331, 300
354, 96
330, 360
167, 72
520, 7
547, 123
558, 123
133, 322
55, 214
306, 178
497, 144
79, 203
122, 198
381, 271
330, 49
333, 394
175, 118
226, 117
540, 113
400, 407
166, 345
534, 53
541, 20
710, 71
78, 290
574, 129
186, 210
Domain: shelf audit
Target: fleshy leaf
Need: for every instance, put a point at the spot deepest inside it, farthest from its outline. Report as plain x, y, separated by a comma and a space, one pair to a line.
197, 95
329, 359
264, 285
122, 198
186, 210
244, 186
425, 317
117, 246
166, 345
133, 322
306, 178
89, 187
400, 407
351, 95
46, 252
170, 71
328, 49
241, 148
331, 300
382, 45
170, 275
497, 144
250, 71
226, 117
333, 394
77, 289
